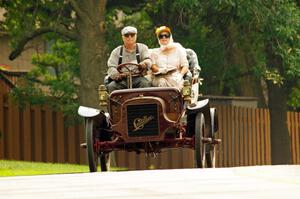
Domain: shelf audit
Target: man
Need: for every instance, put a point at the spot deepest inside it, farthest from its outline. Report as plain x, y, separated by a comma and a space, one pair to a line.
130, 52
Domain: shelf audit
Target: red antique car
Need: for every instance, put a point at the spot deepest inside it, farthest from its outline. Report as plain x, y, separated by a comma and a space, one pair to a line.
147, 120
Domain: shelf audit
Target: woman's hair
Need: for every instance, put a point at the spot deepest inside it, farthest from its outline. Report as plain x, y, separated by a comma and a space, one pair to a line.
162, 29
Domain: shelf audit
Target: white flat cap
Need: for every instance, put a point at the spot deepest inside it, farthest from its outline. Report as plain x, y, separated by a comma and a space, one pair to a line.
128, 29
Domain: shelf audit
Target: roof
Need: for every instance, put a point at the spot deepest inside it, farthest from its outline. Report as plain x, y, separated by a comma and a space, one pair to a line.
6, 69
9, 77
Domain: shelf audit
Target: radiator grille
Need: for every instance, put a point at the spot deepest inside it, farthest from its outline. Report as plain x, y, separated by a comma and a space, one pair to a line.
142, 120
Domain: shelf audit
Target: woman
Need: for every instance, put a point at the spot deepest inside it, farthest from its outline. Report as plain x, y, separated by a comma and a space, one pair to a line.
169, 62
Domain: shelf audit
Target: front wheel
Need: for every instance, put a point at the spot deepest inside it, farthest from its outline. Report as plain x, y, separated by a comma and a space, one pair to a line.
199, 145
90, 141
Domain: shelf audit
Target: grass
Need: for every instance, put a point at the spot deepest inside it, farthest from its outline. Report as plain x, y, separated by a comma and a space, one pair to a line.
23, 168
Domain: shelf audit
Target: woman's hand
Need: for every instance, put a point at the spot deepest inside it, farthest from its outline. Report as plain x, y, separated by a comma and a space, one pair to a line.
154, 68
184, 70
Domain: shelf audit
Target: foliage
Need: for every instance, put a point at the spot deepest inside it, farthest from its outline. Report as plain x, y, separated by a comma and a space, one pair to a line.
200, 25
278, 22
24, 16
294, 97
54, 80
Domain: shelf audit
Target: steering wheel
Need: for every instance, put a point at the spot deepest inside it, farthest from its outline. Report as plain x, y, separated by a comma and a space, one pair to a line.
131, 69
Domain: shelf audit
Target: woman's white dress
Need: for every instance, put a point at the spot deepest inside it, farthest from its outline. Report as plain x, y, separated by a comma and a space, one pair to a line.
169, 63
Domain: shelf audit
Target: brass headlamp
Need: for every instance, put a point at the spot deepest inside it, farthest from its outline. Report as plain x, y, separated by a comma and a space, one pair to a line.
187, 90
103, 95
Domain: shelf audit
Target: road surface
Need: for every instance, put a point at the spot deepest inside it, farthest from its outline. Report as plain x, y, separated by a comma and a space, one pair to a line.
282, 182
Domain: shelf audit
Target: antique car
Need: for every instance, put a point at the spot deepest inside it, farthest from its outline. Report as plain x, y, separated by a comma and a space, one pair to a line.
148, 120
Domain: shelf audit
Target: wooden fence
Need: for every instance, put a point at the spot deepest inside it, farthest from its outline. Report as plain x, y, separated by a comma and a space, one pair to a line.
40, 134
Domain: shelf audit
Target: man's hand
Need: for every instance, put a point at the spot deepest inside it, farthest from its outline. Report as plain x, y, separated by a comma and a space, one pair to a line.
143, 65
119, 77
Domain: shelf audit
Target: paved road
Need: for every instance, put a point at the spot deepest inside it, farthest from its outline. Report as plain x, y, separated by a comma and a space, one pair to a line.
282, 182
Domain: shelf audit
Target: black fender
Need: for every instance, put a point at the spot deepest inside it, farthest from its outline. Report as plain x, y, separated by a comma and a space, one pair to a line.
192, 110
87, 111
100, 119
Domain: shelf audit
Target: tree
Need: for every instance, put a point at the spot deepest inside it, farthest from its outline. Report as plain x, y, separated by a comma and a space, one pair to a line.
272, 27
80, 21
282, 48
54, 81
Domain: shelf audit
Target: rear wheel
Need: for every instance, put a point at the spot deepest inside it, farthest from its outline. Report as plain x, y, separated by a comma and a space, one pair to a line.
211, 156
211, 148
199, 145
92, 154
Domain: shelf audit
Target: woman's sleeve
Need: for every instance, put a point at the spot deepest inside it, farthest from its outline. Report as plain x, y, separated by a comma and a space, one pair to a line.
183, 59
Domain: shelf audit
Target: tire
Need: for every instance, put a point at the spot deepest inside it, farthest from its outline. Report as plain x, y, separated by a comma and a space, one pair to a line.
211, 156
211, 148
92, 155
199, 145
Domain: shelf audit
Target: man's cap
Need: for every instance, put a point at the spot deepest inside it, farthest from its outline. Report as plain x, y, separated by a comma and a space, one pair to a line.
128, 29
162, 29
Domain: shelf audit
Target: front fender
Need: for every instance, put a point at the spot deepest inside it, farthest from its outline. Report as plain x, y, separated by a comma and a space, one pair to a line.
87, 111
199, 106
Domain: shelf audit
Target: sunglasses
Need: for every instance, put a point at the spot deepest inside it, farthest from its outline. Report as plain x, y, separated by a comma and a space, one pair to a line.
129, 34
163, 36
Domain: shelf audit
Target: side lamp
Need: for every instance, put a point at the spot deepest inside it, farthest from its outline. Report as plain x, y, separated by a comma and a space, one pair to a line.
186, 90
103, 95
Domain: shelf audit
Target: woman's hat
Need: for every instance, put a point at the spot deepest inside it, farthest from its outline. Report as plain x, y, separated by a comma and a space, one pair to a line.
162, 29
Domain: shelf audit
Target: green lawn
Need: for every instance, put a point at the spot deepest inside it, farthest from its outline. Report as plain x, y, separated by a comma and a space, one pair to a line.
20, 168
23, 168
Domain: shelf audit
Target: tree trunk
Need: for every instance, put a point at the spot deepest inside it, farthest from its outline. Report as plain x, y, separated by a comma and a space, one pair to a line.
93, 58
241, 56
280, 139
